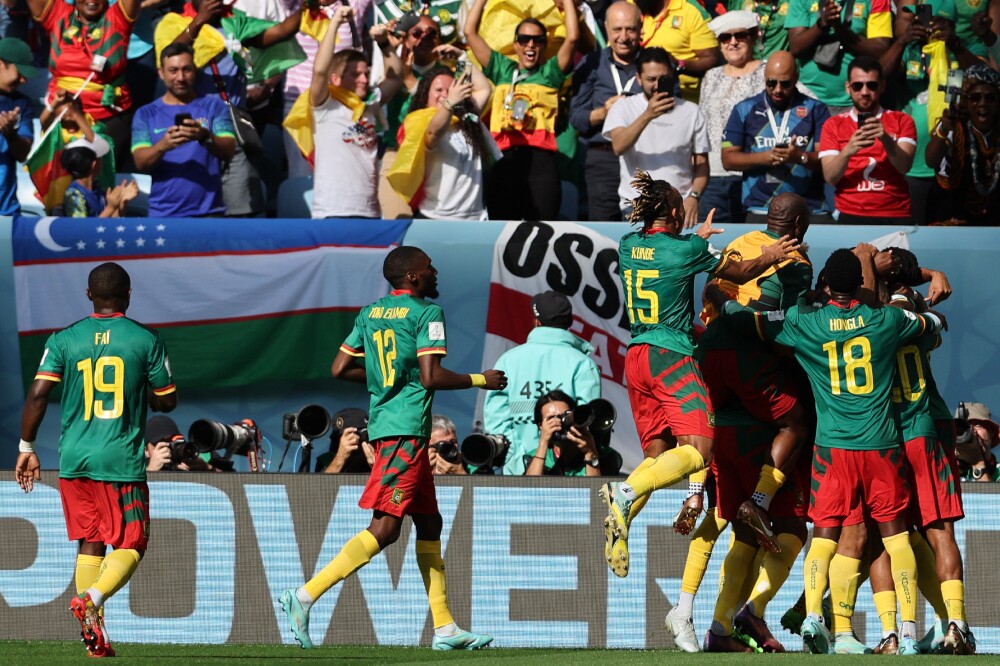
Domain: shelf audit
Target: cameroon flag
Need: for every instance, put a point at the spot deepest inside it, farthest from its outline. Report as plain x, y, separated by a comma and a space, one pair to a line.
48, 175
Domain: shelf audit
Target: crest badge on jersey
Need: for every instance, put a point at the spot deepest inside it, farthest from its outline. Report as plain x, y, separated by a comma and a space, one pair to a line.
801, 112
435, 330
397, 496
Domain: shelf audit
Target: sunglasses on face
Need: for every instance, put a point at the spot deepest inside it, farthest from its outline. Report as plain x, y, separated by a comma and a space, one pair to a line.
857, 86
524, 40
976, 98
775, 83
741, 36
419, 33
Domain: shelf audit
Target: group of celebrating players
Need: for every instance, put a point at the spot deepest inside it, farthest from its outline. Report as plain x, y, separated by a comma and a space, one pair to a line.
874, 432
795, 404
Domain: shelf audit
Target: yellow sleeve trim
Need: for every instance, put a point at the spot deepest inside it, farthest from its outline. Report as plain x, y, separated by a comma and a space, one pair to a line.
48, 377
352, 352
433, 350
165, 390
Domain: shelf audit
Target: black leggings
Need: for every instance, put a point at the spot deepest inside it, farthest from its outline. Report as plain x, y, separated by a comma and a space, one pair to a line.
525, 185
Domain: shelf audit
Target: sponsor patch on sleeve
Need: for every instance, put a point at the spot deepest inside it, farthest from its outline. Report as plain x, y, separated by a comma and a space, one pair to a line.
435, 330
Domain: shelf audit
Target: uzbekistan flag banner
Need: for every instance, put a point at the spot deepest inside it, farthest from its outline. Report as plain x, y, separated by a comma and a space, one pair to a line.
532, 257
236, 301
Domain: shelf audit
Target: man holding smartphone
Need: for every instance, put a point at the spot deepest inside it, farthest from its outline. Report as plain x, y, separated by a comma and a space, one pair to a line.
867, 151
660, 133
181, 140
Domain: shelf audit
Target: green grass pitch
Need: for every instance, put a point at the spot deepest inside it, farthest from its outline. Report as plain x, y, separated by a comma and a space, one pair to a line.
66, 652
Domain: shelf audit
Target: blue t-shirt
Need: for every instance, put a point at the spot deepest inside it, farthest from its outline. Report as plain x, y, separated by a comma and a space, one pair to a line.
187, 182
9, 204
749, 128
81, 202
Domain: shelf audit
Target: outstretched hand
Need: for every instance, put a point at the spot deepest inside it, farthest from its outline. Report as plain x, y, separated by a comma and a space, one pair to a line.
496, 380
783, 249
706, 230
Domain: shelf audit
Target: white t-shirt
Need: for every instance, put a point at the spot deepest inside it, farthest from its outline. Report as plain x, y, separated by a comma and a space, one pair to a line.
345, 179
664, 148
453, 180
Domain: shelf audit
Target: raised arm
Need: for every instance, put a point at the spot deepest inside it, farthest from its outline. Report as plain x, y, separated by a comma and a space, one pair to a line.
572, 22
277, 33
741, 272
476, 43
319, 87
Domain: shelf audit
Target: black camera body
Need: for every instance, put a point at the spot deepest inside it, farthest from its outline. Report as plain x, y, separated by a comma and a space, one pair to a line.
449, 451
181, 450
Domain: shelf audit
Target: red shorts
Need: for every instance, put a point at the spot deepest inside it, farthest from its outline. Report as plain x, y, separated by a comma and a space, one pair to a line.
400, 482
667, 394
737, 456
937, 493
115, 514
849, 485
755, 377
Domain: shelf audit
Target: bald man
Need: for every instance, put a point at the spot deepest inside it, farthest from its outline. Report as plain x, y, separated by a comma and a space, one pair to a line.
773, 138
603, 78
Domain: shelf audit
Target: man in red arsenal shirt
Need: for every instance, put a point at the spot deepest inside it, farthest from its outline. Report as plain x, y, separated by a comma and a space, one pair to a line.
867, 151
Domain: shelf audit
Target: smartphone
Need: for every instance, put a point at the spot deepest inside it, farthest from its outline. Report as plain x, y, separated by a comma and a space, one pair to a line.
923, 13
666, 84
181, 117
863, 117
784, 143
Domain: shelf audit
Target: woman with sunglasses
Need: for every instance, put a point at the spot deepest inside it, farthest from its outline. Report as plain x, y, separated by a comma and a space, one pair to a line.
525, 182
966, 146
722, 88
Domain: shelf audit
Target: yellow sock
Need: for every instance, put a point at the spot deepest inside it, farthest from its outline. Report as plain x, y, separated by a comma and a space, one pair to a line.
116, 569
701, 476
768, 485
844, 574
751, 577
885, 606
356, 553
817, 573
774, 572
700, 551
927, 579
432, 570
735, 569
904, 574
640, 501
667, 469
954, 598
88, 568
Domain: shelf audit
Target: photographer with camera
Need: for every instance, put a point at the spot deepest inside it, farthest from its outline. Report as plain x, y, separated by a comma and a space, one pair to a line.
168, 450
976, 435
350, 452
442, 448
565, 447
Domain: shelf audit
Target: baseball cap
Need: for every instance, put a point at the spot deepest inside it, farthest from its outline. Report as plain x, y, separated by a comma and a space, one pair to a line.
552, 308
16, 52
407, 21
99, 145
351, 417
161, 429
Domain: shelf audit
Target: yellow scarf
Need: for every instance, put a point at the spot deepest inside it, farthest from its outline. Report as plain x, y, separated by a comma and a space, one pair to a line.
937, 73
407, 172
207, 45
299, 121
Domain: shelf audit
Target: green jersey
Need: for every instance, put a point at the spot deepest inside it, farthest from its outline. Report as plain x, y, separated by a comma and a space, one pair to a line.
657, 271
391, 334
105, 364
914, 391
774, 36
849, 354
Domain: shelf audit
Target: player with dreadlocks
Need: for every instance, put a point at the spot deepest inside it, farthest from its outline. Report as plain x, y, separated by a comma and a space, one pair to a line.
670, 404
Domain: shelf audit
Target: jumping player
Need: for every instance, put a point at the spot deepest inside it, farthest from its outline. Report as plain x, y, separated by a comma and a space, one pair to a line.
401, 338
105, 363
668, 397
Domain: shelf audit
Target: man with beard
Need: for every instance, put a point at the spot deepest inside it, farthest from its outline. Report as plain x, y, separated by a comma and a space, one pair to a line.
605, 77
773, 138
681, 29
867, 151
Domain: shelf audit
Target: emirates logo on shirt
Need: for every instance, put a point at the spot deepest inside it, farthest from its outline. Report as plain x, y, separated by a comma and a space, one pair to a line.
870, 184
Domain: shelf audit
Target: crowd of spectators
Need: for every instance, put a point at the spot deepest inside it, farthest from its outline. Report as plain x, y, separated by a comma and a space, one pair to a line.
876, 112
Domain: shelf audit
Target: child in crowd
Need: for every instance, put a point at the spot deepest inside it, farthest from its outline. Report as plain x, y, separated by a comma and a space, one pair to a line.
82, 159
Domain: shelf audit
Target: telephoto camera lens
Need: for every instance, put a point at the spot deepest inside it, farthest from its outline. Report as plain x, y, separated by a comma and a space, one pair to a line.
210, 436
485, 450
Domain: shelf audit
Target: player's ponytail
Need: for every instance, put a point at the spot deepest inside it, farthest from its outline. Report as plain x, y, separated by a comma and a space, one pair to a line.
657, 199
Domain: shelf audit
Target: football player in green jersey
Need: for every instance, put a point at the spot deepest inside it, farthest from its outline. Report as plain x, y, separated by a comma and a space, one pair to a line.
401, 339
669, 400
110, 367
848, 350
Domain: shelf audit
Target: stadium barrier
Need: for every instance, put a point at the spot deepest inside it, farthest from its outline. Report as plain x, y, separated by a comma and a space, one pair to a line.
524, 557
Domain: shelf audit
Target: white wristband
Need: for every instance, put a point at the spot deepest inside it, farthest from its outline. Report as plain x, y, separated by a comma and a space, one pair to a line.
26, 447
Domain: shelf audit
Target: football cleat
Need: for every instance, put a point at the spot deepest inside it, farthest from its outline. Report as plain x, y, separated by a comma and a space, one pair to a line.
91, 626
616, 528
957, 641
845, 642
755, 628
682, 629
461, 640
715, 643
686, 518
793, 618
757, 519
933, 639
815, 635
888, 645
615, 549
298, 617
907, 646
